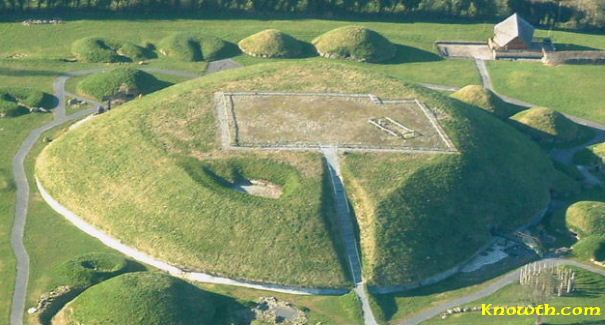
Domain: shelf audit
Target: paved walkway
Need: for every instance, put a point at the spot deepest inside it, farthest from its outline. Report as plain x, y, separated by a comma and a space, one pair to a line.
22, 185
509, 278
346, 227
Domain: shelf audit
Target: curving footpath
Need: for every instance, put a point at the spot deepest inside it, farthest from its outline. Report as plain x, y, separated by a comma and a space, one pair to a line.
60, 117
510, 278
22, 185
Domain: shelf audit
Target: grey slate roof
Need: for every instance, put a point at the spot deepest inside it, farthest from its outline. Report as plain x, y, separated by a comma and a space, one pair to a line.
512, 27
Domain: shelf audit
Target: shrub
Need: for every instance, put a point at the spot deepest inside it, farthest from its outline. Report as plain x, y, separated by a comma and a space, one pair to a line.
195, 47
355, 43
89, 269
108, 83
271, 43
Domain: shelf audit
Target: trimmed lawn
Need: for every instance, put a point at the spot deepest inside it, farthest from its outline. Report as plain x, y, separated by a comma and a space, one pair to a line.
571, 89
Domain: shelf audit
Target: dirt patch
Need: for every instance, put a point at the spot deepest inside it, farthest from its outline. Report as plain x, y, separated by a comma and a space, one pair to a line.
258, 188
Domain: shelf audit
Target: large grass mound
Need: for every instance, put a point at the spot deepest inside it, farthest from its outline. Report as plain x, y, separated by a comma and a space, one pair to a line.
546, 125
355, 43
17, 100
151, 173
271, 43
97, 49
195, 47
110, 82
486, 99
141, 298
89, 269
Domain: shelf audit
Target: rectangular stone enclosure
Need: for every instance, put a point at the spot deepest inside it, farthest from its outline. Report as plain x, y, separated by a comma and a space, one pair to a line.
312, 120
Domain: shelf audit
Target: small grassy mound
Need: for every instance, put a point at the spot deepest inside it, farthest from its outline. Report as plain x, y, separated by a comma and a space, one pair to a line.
591, 156
6, 181
590, 248
271, 43
546, 125
195, 47
143, 298
485, 99
97, 49
586, 218
89, 269
16, 101
355, 43
110, 82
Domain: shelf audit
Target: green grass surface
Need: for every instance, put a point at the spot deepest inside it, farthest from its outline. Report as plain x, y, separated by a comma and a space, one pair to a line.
355, 43
554, 87
16, 101
101, 50
161, 135
404, 204
586, 218
139, 298
195, 47
271, 43
112, 82
89, 269
486, 99
546, 125
590, 291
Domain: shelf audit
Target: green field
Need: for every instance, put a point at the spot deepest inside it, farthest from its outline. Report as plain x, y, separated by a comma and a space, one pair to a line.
590, 292
32, 57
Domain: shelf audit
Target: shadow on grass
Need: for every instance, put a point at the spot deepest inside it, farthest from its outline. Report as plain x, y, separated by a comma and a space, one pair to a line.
28, 73
573, 47
409, 54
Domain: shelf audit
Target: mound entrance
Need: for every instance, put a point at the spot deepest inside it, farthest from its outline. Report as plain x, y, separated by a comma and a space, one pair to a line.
365, 122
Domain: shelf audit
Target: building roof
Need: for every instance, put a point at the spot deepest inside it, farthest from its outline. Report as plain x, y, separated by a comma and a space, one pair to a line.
511, 28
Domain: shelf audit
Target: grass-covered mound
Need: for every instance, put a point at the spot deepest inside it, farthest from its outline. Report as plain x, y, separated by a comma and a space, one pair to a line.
271, 43
97, 49
586, 218
140, 298
355, 43
591, 156
195, 47
110, 82
486, 99
546, 125
17, 100
89, 269
157, 165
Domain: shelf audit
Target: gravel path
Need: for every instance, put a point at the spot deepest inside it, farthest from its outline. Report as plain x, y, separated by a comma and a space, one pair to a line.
22, 185
511, 277
346, 225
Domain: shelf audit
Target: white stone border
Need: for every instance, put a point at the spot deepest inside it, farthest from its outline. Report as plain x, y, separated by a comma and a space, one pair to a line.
171, 269
225, 112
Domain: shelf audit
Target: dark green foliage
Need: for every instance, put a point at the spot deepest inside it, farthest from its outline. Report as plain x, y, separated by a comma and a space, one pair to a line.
16, 101
108, 83
96, 49
89, 269
140, 298
195, 47
356, 43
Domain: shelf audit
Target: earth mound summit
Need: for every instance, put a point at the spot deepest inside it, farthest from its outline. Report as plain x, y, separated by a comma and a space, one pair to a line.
152, 174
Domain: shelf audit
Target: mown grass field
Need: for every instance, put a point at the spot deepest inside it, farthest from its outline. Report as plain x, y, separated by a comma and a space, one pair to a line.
590, 292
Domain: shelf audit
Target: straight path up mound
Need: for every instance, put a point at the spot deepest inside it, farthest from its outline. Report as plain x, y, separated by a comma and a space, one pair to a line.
346, 226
